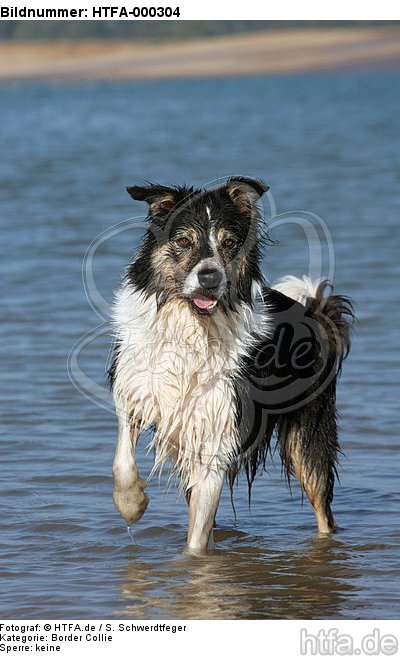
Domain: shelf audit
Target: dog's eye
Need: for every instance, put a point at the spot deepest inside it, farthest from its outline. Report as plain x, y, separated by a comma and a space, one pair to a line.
228, 243
184, 242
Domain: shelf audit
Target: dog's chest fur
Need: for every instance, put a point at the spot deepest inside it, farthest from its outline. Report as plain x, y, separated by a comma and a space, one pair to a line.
176, 371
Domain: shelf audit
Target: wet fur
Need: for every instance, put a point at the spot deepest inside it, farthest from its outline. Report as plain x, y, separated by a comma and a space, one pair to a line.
204, 382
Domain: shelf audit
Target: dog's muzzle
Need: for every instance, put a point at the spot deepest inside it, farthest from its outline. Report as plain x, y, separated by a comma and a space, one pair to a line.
205, 299
205, 286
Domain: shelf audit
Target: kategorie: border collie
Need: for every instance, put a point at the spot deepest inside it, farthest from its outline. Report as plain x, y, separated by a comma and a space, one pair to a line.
217, 362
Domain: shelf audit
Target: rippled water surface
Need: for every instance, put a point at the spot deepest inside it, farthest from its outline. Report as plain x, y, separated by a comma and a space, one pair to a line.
327, 145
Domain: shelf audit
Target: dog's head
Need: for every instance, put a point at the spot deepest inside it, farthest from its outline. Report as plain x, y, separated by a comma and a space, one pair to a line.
202, 245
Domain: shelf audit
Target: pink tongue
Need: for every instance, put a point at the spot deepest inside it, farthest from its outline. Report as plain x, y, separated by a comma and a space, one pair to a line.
203, 303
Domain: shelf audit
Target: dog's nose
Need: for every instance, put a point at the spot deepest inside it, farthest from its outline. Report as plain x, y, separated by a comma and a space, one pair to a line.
209, 278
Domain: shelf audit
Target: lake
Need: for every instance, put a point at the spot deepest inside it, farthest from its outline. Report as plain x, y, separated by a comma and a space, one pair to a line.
328, 146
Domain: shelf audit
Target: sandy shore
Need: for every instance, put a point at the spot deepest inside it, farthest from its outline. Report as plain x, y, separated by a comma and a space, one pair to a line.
245, 54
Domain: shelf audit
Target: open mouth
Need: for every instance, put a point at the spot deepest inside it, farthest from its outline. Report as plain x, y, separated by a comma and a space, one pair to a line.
204, 303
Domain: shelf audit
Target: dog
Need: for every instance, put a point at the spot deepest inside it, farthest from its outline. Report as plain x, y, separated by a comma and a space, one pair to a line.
216, 362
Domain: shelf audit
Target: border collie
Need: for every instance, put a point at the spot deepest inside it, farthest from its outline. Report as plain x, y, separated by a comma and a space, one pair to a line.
216, 362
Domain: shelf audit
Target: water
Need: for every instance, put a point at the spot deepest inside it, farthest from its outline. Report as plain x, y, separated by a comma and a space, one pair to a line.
325, 144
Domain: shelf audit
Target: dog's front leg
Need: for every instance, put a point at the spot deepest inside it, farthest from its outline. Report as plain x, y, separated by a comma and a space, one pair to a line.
204, 499
129, 497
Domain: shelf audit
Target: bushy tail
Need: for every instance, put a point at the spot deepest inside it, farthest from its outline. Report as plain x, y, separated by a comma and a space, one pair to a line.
334, 311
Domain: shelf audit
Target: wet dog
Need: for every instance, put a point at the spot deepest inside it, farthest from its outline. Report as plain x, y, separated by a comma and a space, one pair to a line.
217, 362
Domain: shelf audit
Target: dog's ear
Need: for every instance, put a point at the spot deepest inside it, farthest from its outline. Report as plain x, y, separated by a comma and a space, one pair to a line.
160, 199
245, 192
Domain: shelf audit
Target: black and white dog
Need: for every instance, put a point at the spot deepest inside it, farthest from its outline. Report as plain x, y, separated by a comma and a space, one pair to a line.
216, 362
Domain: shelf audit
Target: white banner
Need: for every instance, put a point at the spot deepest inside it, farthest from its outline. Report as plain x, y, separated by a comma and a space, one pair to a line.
190, 10
277, 637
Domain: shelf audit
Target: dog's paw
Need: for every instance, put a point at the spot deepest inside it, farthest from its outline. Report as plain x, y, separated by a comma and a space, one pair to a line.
131, 502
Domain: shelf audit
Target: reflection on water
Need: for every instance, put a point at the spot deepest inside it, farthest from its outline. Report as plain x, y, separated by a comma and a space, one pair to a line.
248, 583
250, 580
70, 152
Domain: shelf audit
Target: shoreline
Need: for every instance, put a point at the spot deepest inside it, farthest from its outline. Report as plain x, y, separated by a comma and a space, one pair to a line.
255, 53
